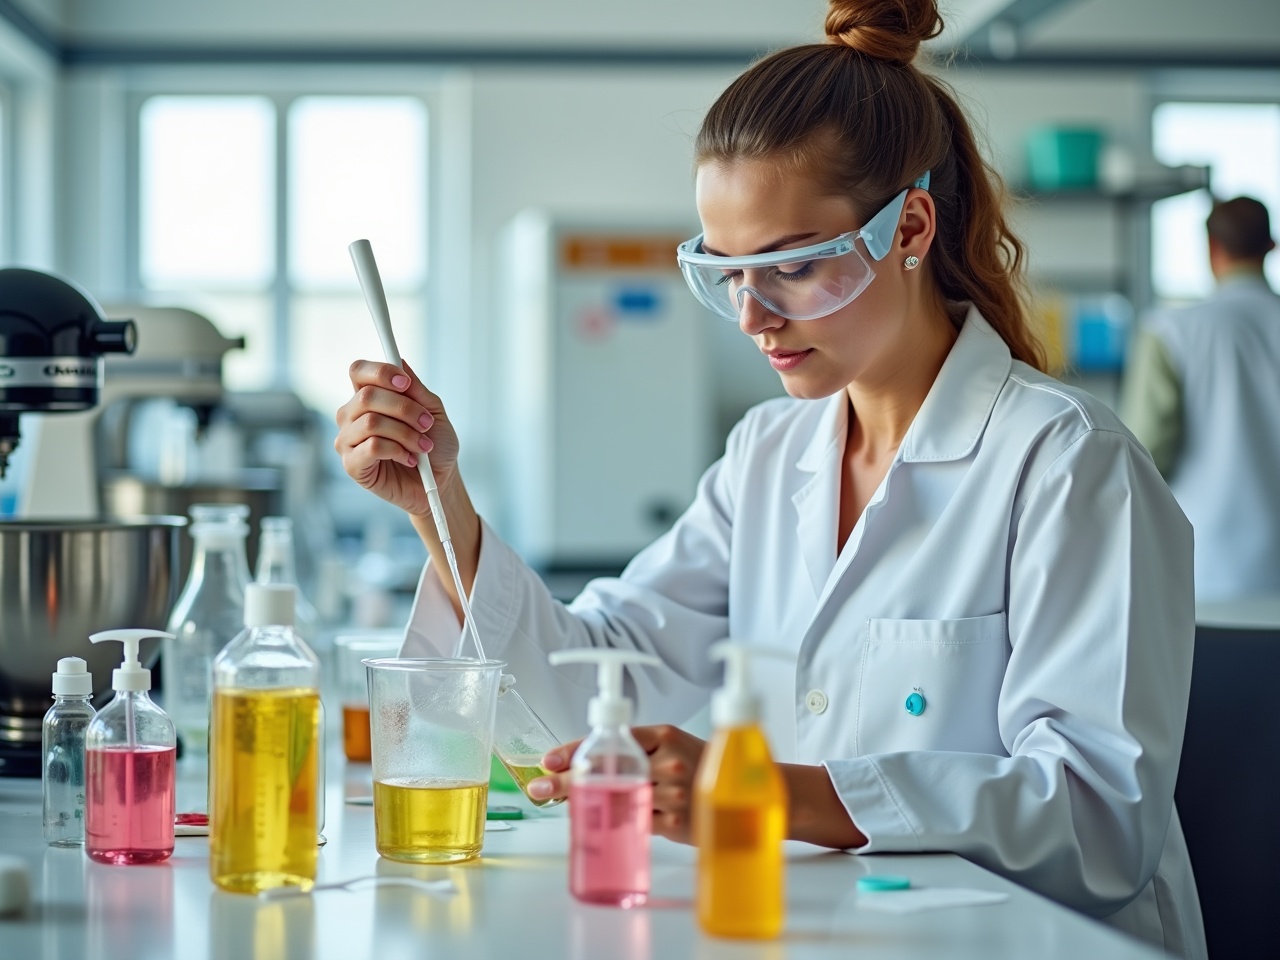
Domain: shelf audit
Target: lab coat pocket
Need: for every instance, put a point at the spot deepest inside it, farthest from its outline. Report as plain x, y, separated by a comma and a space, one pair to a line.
932, 685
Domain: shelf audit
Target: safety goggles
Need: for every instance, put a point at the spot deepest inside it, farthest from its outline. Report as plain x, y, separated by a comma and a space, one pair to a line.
799, 284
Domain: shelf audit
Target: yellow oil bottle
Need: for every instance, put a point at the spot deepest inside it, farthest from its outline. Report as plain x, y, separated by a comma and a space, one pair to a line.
740, 814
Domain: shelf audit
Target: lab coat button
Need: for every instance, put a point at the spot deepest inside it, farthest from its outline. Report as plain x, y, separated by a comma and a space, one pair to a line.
816, 701
915, 704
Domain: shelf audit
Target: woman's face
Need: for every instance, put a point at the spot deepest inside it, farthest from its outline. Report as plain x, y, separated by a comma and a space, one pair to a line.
750, 206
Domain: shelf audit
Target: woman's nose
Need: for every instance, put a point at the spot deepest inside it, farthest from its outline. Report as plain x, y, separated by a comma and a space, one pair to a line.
754, 317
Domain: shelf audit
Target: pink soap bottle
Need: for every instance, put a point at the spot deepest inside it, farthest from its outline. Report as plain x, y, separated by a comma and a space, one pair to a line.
130, 749
610, 794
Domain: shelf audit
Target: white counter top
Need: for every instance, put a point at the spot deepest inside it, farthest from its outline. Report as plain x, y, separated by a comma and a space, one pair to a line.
513, 903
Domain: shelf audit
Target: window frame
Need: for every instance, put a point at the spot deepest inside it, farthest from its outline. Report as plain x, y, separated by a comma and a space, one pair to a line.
283, 88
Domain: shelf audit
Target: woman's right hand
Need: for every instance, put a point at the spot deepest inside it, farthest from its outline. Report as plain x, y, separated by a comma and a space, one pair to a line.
390, 421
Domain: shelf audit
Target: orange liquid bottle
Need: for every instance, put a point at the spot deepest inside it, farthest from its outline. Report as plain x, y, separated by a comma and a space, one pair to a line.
740, 816
356, 740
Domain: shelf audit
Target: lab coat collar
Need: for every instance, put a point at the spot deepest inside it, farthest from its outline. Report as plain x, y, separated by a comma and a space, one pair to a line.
954, 413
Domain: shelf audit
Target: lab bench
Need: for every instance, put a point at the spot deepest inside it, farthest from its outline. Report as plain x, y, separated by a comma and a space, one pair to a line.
511, 903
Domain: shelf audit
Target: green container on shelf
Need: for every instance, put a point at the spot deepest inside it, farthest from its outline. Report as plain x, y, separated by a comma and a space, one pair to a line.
1063, 157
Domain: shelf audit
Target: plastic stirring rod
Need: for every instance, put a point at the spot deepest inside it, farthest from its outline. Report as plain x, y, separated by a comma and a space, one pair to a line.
371, 285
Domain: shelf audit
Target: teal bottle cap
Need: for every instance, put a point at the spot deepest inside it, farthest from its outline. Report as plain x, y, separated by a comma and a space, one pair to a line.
882, 883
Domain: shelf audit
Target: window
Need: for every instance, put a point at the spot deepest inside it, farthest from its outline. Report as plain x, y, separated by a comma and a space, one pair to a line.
1240, 142
246, 207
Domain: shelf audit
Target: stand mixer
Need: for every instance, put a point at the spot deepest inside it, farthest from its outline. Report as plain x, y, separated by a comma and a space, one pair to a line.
179, 357
61, 580
52, 341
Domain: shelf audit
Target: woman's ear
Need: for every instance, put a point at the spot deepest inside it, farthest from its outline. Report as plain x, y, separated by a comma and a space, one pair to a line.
918, 226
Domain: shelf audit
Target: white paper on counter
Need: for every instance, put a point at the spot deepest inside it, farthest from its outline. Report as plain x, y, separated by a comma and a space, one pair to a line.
919, 899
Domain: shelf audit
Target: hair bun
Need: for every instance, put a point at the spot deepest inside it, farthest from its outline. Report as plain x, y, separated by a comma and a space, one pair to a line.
884, 29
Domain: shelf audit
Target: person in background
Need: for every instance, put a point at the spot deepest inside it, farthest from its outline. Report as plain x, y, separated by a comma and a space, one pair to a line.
1203, 395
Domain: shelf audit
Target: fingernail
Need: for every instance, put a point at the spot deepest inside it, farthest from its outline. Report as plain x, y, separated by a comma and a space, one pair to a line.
425, 421
552, 761
413, 461
399, 381
540, 788
425, 444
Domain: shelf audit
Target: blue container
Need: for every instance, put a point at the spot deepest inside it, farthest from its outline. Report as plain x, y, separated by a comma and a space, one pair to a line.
1059, 157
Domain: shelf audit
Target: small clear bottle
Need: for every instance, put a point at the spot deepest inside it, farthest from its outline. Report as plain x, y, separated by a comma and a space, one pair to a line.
209, 613
62, 754
130, 752
610, 795
265, 751
277, 563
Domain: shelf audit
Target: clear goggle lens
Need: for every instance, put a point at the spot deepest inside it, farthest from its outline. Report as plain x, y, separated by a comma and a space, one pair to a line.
800, 284
797, 289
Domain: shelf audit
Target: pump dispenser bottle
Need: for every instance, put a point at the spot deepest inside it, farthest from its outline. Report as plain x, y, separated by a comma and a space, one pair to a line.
129, 758
264, 751
610, 796
62, 767
740, 810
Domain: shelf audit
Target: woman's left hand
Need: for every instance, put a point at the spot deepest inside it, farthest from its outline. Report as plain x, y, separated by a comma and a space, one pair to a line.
673, 761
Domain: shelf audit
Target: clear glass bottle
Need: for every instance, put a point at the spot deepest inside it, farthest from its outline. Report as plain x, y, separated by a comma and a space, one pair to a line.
62, 753
265, 751
209, 613
130, 749
277, 563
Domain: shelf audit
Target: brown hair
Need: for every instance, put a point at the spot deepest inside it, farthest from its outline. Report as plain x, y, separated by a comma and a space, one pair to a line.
1242, 227
857, 112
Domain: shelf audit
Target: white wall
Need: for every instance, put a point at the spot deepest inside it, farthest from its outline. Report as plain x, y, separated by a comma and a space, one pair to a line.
678, 23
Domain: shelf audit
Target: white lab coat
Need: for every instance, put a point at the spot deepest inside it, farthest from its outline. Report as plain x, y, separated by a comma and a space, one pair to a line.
1023, 567
1226, 352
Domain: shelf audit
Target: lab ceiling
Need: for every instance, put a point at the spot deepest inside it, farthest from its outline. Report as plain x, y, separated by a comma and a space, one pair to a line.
1227, 32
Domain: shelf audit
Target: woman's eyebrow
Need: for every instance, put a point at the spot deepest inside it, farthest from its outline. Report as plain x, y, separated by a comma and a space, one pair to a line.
780, 242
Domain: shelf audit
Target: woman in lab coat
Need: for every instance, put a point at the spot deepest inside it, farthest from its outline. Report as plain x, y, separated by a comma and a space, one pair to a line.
985, 581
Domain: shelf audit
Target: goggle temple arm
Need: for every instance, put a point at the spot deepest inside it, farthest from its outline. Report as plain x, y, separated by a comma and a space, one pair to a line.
879, 232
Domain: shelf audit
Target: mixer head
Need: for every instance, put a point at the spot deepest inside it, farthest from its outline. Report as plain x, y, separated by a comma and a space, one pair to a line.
52, 338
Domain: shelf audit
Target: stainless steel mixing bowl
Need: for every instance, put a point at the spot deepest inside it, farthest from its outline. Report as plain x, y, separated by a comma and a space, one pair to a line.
61, 581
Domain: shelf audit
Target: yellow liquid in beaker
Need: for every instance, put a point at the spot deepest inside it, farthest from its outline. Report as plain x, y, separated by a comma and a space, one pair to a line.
262, 808
524, 769
429, 821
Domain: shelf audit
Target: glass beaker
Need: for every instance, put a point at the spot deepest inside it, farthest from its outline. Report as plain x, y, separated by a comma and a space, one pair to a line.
432, 732
521, 740
350, 652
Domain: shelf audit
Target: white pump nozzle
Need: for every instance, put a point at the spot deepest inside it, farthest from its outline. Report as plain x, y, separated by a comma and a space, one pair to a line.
608, 708
131, 674
735, 704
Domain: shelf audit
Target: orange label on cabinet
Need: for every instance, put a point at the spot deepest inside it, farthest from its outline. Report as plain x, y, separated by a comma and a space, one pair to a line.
631, 252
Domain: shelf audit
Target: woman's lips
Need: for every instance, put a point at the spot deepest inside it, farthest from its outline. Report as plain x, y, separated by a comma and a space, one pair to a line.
784, 360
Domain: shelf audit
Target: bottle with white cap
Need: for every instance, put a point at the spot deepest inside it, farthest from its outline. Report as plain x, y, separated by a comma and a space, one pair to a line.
740, 809
265, 751
208, 614
130, 748
610, 795
62, 753
277, 564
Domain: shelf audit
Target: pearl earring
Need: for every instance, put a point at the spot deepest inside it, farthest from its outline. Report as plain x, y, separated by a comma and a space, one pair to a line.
911, 263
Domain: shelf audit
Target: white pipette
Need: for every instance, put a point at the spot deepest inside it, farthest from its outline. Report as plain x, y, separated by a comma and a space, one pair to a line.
371, 285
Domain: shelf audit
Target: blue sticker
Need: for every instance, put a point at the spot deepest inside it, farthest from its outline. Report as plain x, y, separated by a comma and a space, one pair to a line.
637, 303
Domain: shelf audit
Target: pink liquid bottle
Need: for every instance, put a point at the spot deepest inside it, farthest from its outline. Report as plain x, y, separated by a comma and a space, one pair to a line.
610, 795
130, 748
